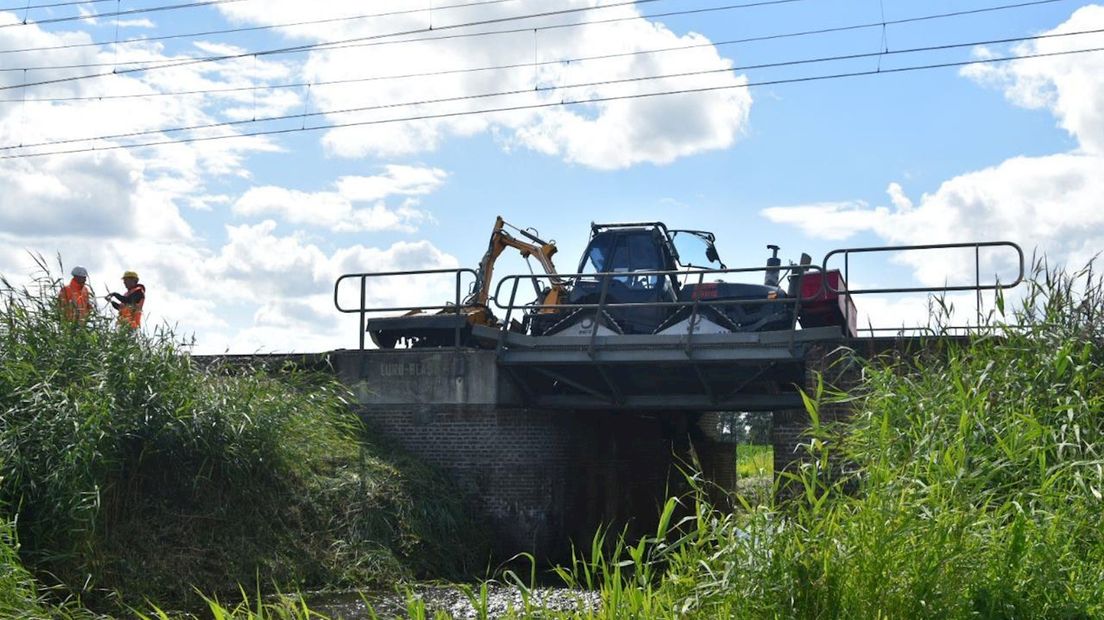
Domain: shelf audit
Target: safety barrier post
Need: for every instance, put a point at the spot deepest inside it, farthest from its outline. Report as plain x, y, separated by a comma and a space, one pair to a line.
506, 320
456, 330
363, 310
977, 281
598, 314
694, 315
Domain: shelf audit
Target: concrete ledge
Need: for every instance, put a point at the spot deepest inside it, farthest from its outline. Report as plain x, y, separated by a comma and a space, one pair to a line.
412, 377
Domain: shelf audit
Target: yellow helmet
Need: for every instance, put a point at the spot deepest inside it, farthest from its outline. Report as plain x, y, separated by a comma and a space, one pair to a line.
130, 274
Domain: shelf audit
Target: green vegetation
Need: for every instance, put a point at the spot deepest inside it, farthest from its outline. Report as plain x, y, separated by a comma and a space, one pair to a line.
130, 473
18, 590
968, 484
754, 461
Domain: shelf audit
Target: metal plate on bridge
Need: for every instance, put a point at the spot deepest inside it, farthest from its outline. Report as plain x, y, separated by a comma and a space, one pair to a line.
746, 370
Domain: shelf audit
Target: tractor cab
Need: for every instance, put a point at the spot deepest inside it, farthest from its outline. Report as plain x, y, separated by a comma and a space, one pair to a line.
618, 267
637, 252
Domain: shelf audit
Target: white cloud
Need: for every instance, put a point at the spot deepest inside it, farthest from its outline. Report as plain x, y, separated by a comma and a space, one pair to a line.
828, 220
207, 202
1070, 86
1050, 202
917, 314
340, 210
136, 23
260, 264
291, 281
35, 202
604, 135
113, 210
398, 180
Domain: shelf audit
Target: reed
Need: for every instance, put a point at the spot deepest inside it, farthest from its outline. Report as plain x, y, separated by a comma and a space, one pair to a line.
973, 489
133, 473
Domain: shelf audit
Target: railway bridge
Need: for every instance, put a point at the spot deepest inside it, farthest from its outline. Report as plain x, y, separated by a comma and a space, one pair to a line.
550, 437
548, 469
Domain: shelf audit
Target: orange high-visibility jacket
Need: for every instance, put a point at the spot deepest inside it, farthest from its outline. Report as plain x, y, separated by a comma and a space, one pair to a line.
74, 299
130, 306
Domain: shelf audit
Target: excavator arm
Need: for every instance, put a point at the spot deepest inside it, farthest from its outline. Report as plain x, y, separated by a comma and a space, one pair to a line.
500, 239
440, 328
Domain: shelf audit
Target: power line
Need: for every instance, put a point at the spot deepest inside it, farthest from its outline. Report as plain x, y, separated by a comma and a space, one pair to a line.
760, 38
50, 6
329, 45
207, 33
324, 45
359, 42
772, 65
577, 59
74, 18
562, 103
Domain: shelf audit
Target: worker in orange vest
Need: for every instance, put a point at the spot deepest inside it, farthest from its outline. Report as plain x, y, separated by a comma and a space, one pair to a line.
74, 298
129, 305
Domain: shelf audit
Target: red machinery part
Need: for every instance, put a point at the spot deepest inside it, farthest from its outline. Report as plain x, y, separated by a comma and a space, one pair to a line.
705, 290
825, 302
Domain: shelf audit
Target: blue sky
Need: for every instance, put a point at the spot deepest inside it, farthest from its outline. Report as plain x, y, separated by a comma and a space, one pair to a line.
239, 240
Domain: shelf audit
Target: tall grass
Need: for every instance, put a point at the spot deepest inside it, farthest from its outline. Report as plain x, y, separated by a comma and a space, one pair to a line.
974, 485
18, 590
973, 489
132, 472
754, 461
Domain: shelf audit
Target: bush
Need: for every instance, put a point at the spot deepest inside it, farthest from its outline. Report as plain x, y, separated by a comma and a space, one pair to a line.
135, 471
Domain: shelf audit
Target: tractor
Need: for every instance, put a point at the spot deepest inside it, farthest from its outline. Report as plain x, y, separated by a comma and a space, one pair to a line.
633, 279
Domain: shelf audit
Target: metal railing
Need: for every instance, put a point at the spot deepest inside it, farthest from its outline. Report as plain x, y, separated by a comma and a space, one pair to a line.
695, 276
363, 310
977, 287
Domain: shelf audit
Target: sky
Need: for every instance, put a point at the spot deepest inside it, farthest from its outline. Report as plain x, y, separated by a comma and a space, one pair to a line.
241, 155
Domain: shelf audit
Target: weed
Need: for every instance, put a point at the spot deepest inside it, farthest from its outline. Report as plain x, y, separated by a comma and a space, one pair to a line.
973, 489
138, 474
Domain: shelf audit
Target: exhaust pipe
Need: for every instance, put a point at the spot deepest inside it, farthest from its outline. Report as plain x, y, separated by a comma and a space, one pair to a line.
770, 278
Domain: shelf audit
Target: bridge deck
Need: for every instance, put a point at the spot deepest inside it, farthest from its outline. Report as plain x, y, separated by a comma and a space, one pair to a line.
743, 371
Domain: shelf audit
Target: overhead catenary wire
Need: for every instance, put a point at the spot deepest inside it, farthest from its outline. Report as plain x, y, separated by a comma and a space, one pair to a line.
28, 7
376, 37
562, 103
95, 16
699, 11
772, 65
727, 42
372, 41
206, 33
400, 76
882, 23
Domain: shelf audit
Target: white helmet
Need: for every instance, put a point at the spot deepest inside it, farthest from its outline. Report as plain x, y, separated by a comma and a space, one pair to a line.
80, 272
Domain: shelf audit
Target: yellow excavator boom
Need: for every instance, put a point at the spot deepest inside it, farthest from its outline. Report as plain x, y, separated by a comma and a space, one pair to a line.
475, 306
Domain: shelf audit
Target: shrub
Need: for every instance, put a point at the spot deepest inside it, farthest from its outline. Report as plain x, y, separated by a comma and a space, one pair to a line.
135, 470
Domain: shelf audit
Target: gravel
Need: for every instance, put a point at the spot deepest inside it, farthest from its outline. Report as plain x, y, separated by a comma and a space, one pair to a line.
502, 601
